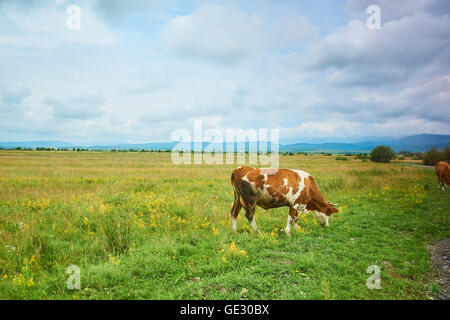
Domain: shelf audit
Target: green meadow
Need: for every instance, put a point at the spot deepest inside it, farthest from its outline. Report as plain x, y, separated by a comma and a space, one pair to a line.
139, 227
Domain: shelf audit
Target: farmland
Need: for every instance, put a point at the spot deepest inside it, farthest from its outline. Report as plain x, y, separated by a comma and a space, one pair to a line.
140, 227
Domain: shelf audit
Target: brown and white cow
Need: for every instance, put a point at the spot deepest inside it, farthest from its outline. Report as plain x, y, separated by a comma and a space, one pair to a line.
274, 188
443, 174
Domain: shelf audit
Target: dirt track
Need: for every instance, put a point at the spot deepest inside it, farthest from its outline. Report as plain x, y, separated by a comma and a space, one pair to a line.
415, 165
440, 258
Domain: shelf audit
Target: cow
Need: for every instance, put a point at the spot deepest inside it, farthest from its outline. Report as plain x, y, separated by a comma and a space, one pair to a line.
274, 188
443, 174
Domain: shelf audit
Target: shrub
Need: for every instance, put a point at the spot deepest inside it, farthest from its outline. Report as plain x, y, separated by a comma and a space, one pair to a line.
341, 158
362, 156
418, 156
39, 244
432, 156
382, 154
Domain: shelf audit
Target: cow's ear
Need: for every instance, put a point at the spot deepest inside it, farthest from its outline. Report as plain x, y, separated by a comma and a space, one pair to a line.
333, 204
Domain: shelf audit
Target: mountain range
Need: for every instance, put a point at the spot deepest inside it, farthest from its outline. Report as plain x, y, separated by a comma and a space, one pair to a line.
416, 143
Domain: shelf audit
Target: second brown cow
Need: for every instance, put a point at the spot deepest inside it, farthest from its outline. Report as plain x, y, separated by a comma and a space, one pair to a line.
443, 174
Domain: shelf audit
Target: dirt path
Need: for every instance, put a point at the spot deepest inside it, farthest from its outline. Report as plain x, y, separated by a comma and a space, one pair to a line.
440, 259
415, 165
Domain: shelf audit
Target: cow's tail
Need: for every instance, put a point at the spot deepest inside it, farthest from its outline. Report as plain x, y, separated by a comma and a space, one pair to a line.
234, 183
233, 177
237, 197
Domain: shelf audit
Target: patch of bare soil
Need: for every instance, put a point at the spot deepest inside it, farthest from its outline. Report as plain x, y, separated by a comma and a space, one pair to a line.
440, 259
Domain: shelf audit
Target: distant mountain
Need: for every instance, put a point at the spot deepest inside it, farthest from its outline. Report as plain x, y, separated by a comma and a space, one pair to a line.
347, 140
421, 143
36, 144
329, 147
136, 146
417, 143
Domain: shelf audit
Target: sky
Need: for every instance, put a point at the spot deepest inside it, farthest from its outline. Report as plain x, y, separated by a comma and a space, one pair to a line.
138, 70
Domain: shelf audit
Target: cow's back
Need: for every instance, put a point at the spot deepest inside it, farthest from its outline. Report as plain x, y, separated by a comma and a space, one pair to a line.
270, 188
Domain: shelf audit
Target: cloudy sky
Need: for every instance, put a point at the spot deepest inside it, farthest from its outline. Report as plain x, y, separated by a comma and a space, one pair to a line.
138, 70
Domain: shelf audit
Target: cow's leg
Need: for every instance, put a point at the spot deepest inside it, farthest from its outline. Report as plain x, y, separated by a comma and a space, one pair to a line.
250, 214
235, 210
292, 217
295, 219
441, 183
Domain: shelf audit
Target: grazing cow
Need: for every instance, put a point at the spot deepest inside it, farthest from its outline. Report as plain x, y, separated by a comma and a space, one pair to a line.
274, 188
443, 174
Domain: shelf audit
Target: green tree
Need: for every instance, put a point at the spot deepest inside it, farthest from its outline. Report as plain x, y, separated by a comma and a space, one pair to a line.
447, 153
382, 154
432, 156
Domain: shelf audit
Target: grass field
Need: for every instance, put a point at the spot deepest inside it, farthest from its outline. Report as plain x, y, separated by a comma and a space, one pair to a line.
139, 227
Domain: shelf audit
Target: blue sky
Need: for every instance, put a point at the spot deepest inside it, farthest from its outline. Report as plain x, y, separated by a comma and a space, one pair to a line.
138, 70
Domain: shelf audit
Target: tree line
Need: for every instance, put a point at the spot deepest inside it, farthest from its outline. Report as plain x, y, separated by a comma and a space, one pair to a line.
383, 154
386, 154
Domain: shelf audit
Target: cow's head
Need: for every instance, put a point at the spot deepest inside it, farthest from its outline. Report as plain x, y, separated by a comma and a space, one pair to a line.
330, 209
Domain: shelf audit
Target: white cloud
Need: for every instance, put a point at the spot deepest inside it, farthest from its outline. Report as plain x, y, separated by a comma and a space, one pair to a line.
83, 106
46, 27
410, 42
391, 9
12, 100
294, 30
226, 33
326, 128
214, 31
428, 101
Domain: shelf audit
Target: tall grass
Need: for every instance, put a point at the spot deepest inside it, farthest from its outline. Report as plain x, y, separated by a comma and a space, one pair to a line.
117, 228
